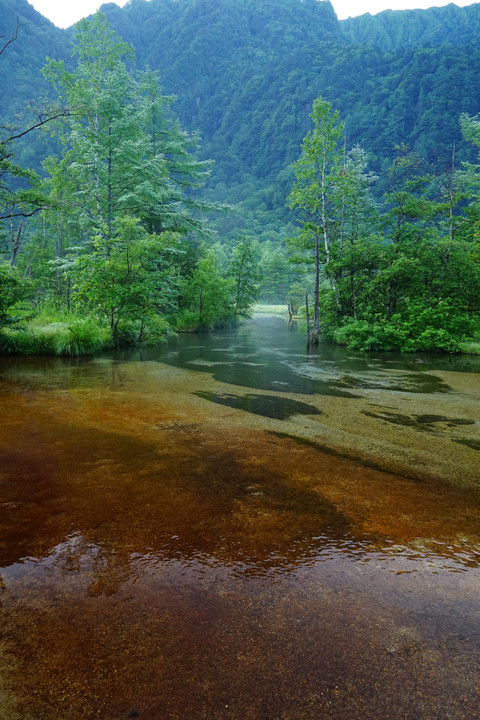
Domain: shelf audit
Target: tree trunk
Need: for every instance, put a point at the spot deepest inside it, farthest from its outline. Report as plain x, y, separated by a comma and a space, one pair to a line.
316, 297
342, 225
16, 244
307, 314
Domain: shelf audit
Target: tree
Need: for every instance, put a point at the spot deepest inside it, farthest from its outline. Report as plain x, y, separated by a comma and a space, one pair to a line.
122, 152
422, 290
123, 188
207, 296
184, 172
21, 196
245, 272
132, 281
358, 252
12, 290
20, 187
316, 186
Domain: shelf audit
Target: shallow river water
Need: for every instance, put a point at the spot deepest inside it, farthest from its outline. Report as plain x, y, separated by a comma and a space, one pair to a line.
231, 528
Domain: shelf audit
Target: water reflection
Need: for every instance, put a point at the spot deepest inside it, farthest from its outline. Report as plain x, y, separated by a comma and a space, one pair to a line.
262, 355
173, 548
110, 566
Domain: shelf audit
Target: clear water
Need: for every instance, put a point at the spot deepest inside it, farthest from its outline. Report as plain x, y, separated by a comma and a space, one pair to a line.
231, 528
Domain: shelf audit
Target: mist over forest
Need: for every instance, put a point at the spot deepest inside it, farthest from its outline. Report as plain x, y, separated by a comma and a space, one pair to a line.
235, 85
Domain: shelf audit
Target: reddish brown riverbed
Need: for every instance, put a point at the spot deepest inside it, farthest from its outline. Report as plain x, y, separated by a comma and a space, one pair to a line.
224, 532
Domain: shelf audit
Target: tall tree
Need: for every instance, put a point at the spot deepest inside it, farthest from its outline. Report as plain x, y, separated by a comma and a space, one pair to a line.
123, 153
245, 271
359, 246
125, 161
316, 186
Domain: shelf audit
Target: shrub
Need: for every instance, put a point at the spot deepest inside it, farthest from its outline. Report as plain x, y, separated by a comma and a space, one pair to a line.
432, 328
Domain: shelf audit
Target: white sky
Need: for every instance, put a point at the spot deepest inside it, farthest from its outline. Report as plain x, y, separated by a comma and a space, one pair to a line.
66, 12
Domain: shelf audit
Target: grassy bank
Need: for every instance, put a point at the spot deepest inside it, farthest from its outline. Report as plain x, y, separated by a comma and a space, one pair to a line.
470, 348
277, 310
56, 335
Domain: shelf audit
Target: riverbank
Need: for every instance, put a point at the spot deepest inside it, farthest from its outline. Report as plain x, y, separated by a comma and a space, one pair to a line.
471, 347
64, 335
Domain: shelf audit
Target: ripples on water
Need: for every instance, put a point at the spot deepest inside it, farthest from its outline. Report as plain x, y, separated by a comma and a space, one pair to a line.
162, 559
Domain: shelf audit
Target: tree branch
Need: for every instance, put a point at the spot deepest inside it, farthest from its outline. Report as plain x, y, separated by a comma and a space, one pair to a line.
42, 120
13, 38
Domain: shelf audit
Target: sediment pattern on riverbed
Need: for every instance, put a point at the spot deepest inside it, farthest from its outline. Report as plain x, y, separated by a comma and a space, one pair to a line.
185, 538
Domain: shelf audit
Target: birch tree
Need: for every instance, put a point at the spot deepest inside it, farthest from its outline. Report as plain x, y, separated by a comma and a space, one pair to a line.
317, 183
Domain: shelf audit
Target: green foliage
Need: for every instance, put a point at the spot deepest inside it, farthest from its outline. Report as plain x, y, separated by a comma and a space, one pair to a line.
390, 30
122, 238
24, 342
72, 336
20, 193
12, 292
245, 75
122, 152
245, 272
430, 328
207, 297
128, 281
83, 336
407, 280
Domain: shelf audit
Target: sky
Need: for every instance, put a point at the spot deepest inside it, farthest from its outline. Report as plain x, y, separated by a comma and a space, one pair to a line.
66, 12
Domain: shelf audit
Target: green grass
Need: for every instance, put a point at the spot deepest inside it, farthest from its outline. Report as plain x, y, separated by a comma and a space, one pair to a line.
279, 310
470, 348
50, 335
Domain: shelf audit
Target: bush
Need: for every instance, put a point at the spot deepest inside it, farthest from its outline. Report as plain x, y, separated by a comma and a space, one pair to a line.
151, 329
24, 342
436, 328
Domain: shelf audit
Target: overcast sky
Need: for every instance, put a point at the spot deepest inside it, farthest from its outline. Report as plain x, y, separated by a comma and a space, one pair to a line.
66, 12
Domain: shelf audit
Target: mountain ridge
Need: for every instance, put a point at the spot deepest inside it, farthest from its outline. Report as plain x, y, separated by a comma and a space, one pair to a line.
418, 28
245, 74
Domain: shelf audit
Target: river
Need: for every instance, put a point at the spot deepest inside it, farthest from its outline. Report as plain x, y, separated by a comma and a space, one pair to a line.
229, 527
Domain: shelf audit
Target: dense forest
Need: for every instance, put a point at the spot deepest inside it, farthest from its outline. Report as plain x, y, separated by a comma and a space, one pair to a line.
165, 164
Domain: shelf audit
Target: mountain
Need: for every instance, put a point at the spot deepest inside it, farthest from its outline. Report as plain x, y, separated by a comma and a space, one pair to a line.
245, 74
391, 30
22, 82
23, 60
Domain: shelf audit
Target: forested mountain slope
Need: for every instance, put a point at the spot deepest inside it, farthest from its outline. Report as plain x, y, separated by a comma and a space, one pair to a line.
245, 74
391, 30
21, 77
22, 83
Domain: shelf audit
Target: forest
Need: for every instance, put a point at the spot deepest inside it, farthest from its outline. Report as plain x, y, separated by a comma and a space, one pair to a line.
166, 165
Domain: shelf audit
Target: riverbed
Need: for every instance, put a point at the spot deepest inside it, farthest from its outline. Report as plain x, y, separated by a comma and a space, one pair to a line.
231, 527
